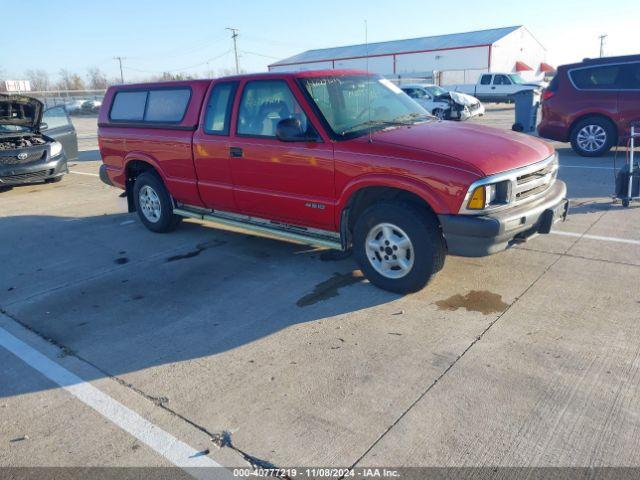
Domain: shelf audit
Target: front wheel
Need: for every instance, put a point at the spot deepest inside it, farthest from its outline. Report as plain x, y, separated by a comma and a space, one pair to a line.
398, 247
153, 203
439, 113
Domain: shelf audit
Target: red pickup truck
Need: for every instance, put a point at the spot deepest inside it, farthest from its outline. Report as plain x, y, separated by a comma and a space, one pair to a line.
337, 159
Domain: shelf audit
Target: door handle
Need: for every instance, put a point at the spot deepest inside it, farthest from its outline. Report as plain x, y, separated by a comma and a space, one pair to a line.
493, 88
235, 152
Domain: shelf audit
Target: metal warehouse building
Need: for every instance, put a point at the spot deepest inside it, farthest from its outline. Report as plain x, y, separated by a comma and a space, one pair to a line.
445, 59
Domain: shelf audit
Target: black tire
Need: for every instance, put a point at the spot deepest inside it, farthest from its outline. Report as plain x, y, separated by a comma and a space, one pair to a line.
439, 113
166, 221
53, 180
425, 235
593, 122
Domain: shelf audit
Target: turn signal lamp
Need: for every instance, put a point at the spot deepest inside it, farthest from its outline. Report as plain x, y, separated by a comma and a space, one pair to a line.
477, 201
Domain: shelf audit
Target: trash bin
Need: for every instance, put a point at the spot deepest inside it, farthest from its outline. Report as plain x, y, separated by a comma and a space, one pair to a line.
527, 103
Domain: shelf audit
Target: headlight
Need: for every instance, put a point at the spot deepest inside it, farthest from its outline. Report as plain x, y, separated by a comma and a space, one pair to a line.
56, 149
489, 195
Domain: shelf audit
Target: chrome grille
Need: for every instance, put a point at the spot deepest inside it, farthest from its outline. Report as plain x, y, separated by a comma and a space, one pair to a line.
532, 183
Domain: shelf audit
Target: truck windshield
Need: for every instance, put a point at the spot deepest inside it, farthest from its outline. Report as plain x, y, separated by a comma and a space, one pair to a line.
517, 79
354, 105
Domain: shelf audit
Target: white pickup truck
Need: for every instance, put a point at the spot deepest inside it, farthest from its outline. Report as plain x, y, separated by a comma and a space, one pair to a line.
496, 87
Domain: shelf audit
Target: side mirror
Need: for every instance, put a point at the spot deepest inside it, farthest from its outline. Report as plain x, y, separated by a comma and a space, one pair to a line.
290, 130
43, 126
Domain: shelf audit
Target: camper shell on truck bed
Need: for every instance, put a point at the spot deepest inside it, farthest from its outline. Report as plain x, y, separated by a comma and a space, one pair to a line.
339, 159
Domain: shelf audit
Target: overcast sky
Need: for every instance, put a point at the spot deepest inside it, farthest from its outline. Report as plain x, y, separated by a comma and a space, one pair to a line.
189, 36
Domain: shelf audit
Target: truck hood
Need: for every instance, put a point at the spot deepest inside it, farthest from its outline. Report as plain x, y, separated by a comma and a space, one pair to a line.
20, 111
489, 150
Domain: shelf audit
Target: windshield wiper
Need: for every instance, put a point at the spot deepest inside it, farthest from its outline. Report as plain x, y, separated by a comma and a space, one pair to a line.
375, 123
412, 117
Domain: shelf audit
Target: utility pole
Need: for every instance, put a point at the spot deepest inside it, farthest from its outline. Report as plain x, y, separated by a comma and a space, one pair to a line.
602, 37
234, 36
119, 59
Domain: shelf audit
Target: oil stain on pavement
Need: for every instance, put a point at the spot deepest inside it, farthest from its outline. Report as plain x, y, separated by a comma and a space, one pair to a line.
329, 288
475, 301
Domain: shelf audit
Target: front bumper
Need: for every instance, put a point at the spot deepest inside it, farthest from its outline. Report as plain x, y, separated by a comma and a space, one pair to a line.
477, 236
22, 174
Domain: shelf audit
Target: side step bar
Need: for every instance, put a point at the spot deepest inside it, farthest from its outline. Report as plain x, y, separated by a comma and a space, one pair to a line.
307, 236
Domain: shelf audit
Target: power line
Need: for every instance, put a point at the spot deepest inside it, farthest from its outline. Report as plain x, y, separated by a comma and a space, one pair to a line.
260, 54
234, 36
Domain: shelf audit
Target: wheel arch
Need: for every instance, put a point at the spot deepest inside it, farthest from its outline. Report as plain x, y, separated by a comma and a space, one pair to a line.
134, 165
365, 193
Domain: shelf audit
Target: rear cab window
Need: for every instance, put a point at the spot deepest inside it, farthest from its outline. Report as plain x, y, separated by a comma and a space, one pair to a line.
161, 105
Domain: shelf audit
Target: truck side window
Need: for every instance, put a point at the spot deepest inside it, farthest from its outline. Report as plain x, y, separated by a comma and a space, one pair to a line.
264, 103
167, 105
485, 80
501, 80
128, 106
218, 115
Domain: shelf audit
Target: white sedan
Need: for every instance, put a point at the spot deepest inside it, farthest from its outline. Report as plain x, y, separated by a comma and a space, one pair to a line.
444, 104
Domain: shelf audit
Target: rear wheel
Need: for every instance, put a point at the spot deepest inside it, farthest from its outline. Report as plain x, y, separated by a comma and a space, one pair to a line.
398, 247
593, 137
153, 203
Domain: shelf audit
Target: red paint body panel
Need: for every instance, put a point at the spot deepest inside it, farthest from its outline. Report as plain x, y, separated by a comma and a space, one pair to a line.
568, 104
307, 183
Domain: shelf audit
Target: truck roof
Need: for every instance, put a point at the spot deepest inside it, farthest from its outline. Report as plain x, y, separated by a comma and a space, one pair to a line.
252, 76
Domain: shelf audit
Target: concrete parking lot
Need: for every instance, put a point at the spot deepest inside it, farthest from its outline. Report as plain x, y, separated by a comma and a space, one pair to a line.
527, 358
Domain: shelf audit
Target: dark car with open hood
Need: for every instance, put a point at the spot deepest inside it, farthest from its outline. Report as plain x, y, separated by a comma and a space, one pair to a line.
27, 155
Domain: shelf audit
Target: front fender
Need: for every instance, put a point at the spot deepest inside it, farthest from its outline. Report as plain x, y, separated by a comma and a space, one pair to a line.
422, 190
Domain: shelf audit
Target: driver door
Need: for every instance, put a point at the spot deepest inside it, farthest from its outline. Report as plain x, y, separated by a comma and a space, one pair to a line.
291, 182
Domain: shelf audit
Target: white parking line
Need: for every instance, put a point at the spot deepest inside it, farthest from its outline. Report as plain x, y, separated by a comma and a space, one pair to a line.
84, 173
178, 453
588, 166
597, 237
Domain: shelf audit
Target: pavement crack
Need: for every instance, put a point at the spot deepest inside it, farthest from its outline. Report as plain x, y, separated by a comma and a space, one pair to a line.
461, 355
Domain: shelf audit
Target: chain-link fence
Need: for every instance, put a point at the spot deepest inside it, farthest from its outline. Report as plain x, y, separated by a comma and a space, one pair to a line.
76, 101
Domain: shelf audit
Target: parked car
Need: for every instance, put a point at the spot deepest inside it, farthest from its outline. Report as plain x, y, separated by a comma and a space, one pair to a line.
592, 104
90, 106
496, 87
338, 159
27, 155
444, 104
74, 107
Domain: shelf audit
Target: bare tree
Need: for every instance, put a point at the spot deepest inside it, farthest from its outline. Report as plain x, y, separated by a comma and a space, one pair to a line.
39, 79
97, 79
70, 81
2, 79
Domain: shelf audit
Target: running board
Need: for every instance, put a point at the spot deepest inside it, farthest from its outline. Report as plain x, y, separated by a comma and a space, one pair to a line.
307, 236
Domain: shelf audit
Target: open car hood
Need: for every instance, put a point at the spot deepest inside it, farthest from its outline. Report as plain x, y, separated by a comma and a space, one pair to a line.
21, 111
